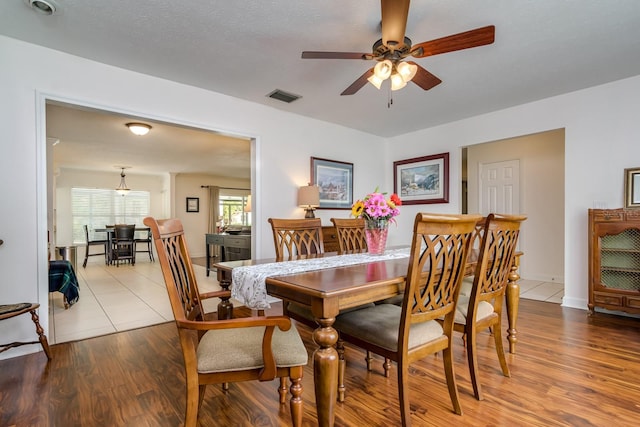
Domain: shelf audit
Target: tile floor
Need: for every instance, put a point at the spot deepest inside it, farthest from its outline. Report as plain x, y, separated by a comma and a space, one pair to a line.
541, 291
114, 299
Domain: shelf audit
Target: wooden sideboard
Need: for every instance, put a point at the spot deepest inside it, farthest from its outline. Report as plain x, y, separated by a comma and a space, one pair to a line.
232, 247
614, 259
330, 239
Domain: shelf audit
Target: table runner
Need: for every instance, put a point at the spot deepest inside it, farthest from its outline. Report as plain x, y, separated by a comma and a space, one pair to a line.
249, 282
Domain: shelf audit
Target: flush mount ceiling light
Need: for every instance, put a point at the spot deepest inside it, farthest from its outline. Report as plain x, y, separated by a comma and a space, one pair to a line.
122, 189
139, 129
46, 7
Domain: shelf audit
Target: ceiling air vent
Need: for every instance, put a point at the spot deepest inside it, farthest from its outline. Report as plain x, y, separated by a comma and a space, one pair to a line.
283, 96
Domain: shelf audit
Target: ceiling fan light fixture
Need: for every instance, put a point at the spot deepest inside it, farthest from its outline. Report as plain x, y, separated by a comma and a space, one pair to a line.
407, 71
383, 69
139, 129
375, 80
397, 82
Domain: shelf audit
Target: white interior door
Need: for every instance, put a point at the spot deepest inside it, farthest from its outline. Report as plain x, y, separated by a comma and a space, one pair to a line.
499, 190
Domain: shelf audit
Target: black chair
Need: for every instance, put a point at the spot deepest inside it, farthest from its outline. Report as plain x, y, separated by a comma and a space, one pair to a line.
90, 243
123, 244
149, 248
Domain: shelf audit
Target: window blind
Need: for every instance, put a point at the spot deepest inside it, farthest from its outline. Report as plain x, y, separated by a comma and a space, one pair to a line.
97, 208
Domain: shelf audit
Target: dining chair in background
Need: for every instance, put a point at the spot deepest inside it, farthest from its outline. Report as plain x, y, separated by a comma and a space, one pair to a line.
89, 243
224, 350
351, 235
295, 238
145, 244
410, 332
123, 244
482, 307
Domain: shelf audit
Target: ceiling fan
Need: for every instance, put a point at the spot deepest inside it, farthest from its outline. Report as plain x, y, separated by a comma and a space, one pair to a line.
392, 49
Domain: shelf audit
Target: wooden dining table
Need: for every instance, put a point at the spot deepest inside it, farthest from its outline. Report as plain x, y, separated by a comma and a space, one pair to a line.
328, 291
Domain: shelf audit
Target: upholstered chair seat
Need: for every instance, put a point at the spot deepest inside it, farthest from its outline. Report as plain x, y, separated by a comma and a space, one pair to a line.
484, 310
380, 325
241, 349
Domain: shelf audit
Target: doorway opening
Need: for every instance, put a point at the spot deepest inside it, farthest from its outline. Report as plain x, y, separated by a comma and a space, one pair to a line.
537, 191
171, 162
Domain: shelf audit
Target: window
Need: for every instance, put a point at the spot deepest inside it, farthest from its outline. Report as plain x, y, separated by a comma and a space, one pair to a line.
97, 207
232, 210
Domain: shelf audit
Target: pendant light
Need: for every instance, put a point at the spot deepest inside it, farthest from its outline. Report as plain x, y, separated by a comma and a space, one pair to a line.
122, 189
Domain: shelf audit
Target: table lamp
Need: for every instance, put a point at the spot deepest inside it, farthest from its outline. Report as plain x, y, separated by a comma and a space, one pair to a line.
309, 199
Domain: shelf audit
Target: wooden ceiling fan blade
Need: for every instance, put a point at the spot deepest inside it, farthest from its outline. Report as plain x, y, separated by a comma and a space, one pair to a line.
359, 83
468, 39
424, 79
334, 55
394, 21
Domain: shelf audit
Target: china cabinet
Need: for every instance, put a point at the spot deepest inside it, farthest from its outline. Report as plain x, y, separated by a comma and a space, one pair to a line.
614, 259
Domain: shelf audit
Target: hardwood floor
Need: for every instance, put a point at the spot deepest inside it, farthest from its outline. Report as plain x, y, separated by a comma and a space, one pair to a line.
570, 370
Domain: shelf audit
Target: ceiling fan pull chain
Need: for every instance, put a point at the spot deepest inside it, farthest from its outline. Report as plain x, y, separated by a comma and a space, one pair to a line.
389, 98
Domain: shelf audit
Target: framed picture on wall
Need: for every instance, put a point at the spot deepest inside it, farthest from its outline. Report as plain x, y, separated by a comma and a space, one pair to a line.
335, 180
422, 180
632, 187
193, 204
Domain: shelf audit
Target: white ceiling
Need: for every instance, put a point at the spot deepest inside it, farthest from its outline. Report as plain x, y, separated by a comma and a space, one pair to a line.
247, 49
99, 140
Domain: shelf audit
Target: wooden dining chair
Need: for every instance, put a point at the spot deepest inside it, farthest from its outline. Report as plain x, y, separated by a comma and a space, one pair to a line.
102, 243
224, 350
9, 311
351, 239
351, 235
302, 238
410, 332
295, 238
482, 307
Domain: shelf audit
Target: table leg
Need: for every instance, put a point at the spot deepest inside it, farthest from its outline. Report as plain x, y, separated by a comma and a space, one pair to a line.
513, 300
225, 307
208, 254
325, 371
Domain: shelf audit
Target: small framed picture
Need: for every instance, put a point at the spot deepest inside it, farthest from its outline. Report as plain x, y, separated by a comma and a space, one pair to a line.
193, 204
422, 180
632, 187
335, 180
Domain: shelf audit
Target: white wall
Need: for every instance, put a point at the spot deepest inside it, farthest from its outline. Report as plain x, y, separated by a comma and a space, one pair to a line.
31, 74
601, 140
541, 192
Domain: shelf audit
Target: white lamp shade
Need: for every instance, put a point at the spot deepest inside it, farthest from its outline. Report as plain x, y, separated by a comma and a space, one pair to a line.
383, 69
407, 71
397, 82
375, 80
247, 207
309, 196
